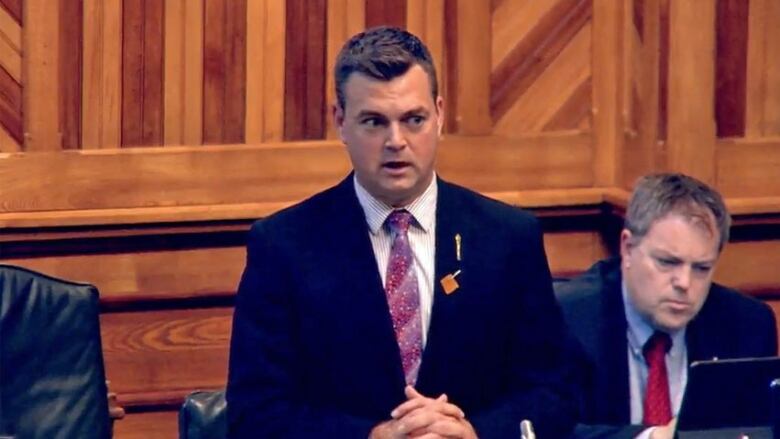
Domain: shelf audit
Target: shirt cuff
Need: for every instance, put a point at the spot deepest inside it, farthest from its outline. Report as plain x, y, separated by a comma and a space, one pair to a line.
645, 434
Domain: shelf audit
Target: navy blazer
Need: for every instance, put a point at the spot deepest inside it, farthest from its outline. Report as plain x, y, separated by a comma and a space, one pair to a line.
729, 325
313, 352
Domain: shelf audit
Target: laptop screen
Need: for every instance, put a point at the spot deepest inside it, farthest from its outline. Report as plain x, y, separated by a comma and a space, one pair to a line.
729, 393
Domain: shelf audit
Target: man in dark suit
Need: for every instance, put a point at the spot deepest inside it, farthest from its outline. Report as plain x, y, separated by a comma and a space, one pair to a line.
641, 319
395, 304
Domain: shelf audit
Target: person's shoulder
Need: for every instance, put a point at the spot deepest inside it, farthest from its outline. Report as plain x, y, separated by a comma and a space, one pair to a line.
590, 286
732, 301
300, 216
485, 208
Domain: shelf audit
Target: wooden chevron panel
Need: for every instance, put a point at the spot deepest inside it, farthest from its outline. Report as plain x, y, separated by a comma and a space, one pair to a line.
11, 130
541, 65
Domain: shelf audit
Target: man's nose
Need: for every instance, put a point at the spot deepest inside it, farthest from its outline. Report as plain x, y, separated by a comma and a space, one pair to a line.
681, 279
395, 136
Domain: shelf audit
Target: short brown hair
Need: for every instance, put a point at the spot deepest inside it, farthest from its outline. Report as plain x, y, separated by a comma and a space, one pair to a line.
382, 53
656, 196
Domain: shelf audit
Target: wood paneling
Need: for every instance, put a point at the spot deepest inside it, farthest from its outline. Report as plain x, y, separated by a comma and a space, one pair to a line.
70, 28
159, 274
607, 103
345, 18
162, 177
304, 108
763, 75
41, 98
142, 73
554, 51
731, 67
691, 127
148, 425
265, 53
554, 86
102, 74
470, 84
11, 109
385, 13
169, 352
14, 7
748, 168
751, 266
224, 75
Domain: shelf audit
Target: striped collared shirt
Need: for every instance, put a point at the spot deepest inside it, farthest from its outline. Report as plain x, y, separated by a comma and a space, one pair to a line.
422, 239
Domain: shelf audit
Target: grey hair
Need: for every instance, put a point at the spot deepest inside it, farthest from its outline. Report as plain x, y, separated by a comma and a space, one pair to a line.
658, 195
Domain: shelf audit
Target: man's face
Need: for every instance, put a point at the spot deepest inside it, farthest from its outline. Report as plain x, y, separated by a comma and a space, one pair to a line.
391, 130
668, 272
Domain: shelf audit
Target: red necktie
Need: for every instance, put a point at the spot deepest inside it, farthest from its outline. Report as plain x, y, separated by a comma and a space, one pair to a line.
403, 297
657, 406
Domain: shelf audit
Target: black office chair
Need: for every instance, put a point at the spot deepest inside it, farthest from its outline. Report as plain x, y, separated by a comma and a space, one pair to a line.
52, 380
202, 416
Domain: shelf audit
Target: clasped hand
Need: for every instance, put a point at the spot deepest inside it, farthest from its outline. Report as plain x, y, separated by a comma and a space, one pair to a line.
425, 418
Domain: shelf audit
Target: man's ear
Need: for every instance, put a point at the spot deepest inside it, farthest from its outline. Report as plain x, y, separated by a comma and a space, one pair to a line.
439, 114
338, 119
626, 244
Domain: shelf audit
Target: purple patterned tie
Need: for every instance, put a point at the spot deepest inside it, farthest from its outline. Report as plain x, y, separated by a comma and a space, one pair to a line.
402, 295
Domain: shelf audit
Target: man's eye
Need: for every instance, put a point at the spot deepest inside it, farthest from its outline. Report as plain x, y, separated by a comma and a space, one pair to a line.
371, 122
415, 120
666, 262
702, 268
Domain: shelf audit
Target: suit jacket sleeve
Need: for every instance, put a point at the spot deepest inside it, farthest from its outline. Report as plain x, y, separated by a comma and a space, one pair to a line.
263, 391
540, 362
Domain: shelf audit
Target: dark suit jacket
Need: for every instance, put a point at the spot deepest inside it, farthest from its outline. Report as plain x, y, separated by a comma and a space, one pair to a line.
729, 325
313, 353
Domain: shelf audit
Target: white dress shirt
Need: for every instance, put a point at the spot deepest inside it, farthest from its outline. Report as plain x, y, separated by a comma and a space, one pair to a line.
422, 240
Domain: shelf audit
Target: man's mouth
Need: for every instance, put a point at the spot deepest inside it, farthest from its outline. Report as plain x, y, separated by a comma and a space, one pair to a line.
395, 165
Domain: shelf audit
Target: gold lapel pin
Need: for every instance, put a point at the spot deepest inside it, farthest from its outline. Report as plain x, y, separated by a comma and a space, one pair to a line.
457, 246
449, 283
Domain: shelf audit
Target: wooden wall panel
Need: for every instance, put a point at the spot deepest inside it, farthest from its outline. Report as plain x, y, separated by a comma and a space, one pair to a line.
142, 73
154, 356
748, 168
763, 65
265, 52
159, 274
41, 97
163, 177
731, 67
14, 7
345, 18
10, 45
304, 107
385, 13
148, 425
70, 26
554, 85
691, 125
224, 75
101, 100
537, 48
11, 111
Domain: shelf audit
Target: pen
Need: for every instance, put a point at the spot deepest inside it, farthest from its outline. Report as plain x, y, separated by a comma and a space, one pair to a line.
527, 430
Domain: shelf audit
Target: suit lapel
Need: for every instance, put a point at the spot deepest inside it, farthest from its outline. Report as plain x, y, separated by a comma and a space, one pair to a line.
448, 224
355, 264
614, 350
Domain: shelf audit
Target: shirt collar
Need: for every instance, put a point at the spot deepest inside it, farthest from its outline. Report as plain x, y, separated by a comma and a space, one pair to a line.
423, 208
639, 330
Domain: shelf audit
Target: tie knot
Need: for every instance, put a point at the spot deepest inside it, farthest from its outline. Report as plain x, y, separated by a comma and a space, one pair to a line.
398, 221
658, 343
